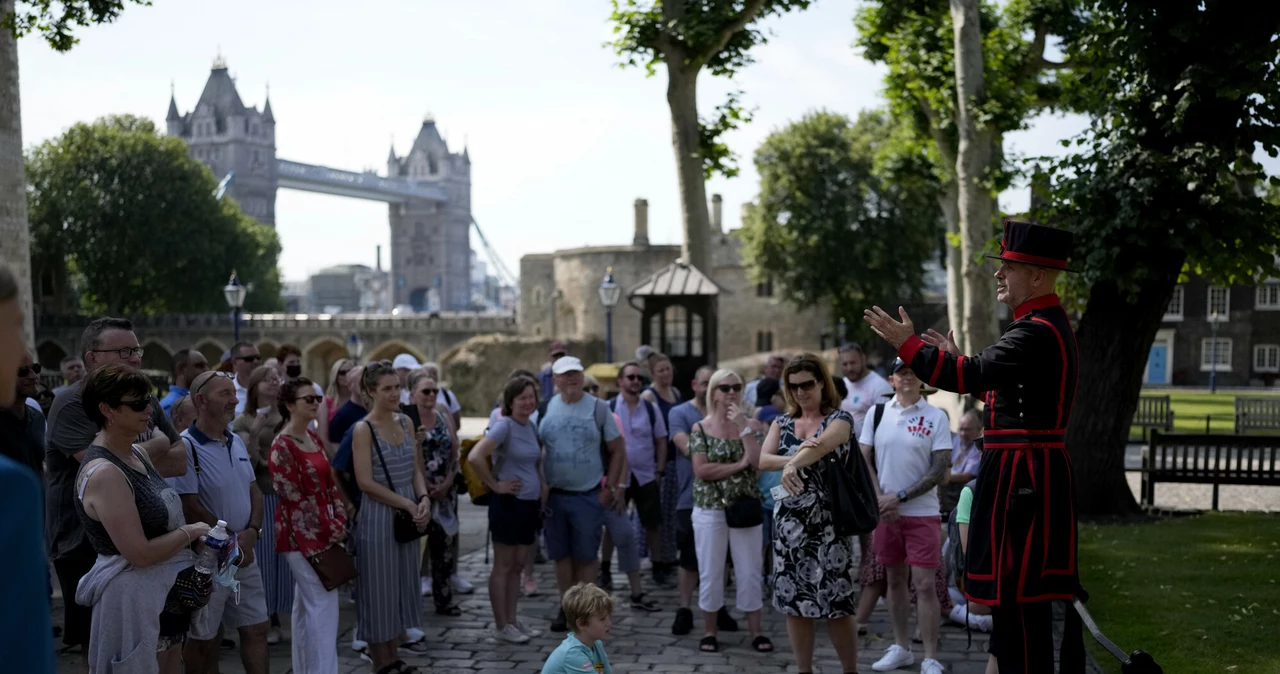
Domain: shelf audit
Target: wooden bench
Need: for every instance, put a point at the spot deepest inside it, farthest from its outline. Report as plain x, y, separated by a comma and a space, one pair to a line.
1257, 414
1209, 459
1154, 412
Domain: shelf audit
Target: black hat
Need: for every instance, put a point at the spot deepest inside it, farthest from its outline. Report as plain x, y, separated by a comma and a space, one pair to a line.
1038, 245
898, 364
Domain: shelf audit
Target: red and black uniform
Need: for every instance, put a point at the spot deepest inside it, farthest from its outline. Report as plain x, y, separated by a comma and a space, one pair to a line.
1022, 533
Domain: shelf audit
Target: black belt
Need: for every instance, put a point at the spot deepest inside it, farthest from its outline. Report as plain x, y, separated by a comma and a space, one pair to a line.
566, 492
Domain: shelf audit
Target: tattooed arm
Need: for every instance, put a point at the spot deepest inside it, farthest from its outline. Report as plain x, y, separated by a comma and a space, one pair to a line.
938, 465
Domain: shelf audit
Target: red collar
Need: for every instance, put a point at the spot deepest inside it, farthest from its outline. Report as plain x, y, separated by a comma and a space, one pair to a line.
1050, 300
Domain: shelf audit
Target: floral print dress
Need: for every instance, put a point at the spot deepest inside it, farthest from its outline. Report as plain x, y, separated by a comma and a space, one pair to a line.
814, 570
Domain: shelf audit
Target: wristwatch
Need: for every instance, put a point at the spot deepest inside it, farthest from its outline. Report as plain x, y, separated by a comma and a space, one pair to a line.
902, 496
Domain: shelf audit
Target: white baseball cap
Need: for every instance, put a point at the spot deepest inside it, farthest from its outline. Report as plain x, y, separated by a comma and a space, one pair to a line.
405, 361
566, 364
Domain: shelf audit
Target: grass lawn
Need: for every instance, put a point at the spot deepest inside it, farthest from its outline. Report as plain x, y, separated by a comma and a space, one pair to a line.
1201, 594
1190, 409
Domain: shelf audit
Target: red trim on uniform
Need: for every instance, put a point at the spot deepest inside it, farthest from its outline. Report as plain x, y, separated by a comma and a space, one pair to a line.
1024, 445
937, 369
1033, 259
907, 352
960, 375
991, 406
1024, 431
1062, 386
1071, 560
1041, 302
984, 602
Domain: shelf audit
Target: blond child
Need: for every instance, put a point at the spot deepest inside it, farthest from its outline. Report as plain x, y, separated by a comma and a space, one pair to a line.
588, 611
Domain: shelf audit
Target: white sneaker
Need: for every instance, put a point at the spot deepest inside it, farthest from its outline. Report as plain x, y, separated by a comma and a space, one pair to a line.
895, 657
359, 645
414, 635
426, 587
930, 666
526, 630
461, 585
512, 634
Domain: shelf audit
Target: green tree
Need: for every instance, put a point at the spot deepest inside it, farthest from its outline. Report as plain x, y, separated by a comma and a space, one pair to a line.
1163, 185
55, 25
688, 36
846, 213
966, 73
134, 219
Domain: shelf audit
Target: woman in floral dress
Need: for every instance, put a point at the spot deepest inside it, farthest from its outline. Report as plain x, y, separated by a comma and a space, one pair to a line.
309, 520
814, 570
439, 444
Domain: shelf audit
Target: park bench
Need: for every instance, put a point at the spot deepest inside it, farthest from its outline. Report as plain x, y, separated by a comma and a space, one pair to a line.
1209, 459
1154, 412
1257, 414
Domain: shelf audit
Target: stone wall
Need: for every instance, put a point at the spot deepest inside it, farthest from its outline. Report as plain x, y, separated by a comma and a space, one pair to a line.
537, 286
476, 369
578, 273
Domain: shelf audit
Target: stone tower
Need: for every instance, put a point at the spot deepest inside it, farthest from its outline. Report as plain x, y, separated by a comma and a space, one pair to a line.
430, 242
227, 136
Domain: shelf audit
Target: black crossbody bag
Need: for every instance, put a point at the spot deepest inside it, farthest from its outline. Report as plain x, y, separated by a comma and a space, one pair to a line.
403, 527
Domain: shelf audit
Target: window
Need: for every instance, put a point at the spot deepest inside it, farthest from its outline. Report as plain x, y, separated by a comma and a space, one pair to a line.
1268, 296
765, 288
1174, 312
537, 296
764, 340
677, 330
1219, 308
1215, 355
1266, 358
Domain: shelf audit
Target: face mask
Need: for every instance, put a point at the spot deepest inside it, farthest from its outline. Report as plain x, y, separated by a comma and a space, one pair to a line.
294, 371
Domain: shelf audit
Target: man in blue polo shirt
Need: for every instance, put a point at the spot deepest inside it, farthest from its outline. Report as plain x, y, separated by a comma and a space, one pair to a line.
219, 485
187, 365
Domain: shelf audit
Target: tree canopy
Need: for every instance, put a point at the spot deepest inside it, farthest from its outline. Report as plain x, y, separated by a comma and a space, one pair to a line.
55, 24
846, 213
132, 220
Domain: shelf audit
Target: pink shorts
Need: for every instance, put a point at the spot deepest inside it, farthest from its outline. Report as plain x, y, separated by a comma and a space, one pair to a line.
914, 540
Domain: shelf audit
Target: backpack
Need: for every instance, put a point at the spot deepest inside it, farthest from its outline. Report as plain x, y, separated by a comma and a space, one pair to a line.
648, 407
476, 488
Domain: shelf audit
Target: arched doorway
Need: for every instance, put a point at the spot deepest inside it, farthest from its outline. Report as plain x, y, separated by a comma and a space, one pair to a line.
390, 349
157, 359
319, 356
212, 350
50, 355
267, 349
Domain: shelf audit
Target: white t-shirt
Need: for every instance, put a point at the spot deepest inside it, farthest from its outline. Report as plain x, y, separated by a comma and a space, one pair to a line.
905, 442
864, 394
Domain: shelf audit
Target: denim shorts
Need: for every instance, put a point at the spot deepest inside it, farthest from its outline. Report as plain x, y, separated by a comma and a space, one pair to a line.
575, 526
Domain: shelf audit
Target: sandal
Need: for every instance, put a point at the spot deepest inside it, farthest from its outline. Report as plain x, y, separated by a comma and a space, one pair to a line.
709, 645
396, 667
454, 611
762, 644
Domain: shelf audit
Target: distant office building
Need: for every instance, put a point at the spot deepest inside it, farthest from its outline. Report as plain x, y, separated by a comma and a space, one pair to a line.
349, 288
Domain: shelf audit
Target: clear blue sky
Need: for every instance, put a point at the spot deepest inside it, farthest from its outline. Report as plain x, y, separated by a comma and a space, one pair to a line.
562, 141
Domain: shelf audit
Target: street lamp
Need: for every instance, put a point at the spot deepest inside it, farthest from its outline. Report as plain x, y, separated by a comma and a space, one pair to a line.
355, 347
235, 292
609, 293
1213, 357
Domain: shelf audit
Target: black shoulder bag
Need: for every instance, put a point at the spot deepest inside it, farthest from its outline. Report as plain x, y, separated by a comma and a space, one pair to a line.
403, 527
854, 508
744, 511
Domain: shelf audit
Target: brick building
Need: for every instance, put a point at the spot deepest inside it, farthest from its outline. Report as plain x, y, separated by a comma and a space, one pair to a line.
1246, 349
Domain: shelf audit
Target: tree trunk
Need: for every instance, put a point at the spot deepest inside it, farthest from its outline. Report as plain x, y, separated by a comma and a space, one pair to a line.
973, 159
15, 237
1114, 339
682, 97
948, 200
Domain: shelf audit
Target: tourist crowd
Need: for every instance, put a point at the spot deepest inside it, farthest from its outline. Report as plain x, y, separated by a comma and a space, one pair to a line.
354, 490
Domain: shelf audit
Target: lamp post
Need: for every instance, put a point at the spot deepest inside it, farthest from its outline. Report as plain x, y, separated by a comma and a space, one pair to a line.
355, 347
609, 293
1213, 357
235, 292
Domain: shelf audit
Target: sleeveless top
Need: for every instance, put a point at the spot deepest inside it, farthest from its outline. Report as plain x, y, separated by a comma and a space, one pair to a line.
159, 506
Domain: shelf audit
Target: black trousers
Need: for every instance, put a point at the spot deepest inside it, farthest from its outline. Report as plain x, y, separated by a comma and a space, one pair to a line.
1022, 639
77, 619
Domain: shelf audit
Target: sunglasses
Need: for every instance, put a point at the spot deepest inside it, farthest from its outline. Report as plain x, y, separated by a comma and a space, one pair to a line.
212, 375
139, 405
806, 385
725, 388
591, 389
634, 377
27, 369
344, 373
312, 399
556, 356
249, 359
429, 391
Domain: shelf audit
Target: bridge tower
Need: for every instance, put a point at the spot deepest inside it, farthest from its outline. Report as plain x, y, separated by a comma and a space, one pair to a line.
226, 136
431, 241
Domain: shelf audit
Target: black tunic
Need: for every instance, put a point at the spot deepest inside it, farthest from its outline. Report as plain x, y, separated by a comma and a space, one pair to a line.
1022, 533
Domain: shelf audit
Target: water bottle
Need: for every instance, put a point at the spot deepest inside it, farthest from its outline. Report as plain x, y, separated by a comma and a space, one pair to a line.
214, 542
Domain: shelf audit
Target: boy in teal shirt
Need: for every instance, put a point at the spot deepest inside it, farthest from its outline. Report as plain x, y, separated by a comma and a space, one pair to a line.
588, 610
